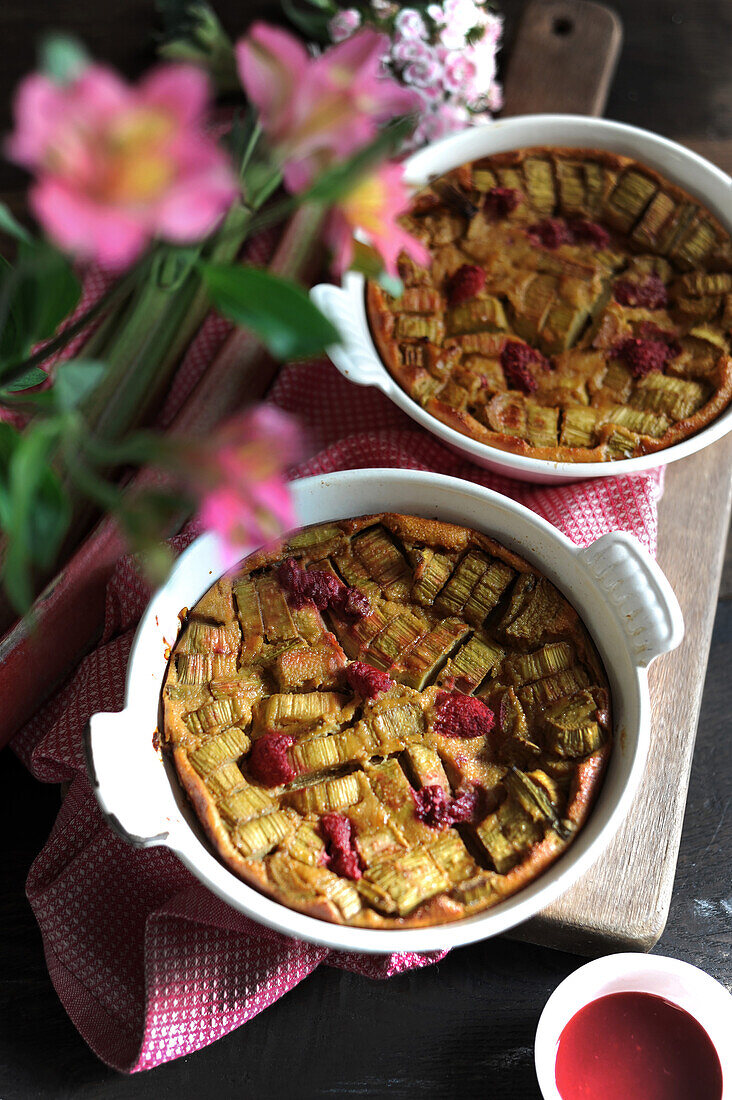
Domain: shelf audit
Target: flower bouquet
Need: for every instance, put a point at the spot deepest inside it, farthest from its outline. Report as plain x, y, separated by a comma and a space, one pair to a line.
148, 211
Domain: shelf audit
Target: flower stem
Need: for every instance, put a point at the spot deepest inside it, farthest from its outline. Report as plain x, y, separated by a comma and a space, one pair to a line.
144, 347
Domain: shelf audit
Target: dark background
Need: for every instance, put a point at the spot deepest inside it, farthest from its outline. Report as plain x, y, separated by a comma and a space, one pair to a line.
466, 1026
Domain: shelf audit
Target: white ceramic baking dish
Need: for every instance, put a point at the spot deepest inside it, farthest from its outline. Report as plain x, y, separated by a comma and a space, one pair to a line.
358, 360
619, 591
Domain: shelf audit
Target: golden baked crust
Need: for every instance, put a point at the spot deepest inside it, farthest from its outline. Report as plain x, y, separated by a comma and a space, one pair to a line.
641, 260
442, 825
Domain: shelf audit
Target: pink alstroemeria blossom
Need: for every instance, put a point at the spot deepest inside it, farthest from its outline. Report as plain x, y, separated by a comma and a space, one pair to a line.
239, 477
117, 165
373, 206
317, 110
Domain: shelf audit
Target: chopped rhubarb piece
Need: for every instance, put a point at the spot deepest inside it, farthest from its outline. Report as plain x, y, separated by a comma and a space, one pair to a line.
465, 283
501, 201
435, 808
550, 233
337, 832
515, 360
650, 294
645, 356
462, 715
323, 589
367, 681
586, 232
268, 762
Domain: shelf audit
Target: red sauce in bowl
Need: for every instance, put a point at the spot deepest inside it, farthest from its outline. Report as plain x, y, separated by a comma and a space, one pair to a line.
636, 1046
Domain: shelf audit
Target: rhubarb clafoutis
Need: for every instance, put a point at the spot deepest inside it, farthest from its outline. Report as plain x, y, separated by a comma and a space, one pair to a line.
578, 307
387, 721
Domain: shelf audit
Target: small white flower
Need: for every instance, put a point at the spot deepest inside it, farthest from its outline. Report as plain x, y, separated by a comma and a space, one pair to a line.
343, 25
412, 49
460, 74
410, 24
431, 95
436, 14
454, 117
494, 97
493, 27
483, 58
461, 16
421, 74
382, 9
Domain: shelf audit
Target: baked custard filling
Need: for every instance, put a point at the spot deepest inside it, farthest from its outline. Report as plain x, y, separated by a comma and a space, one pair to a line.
578, 306
387, 721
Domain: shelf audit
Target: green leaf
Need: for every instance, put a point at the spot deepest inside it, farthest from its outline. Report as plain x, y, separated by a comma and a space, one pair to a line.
35, 509
369, 263
339, 180
9, 438
9, 224
39, 293
75, 380
193, 33
278, 310
259, 180
32, 377
63, 58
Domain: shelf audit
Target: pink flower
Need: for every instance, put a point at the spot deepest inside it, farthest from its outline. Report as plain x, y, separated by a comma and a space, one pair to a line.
494, 97
373, 207
239, 477
459, 17
117, 165
431, 95
493, 28
315, 110
410, 49
443, 119
410, 24
423, 74
460, 74
483, 55
382, 9
344, 24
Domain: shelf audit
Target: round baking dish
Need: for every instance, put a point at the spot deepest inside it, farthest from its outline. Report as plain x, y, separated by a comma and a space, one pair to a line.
356, 356
621, 594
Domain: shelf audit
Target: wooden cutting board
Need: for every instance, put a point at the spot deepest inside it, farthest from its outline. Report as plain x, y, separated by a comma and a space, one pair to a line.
563, 61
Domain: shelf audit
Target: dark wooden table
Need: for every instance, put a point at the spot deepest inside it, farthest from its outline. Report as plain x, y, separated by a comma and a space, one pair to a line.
466, 1026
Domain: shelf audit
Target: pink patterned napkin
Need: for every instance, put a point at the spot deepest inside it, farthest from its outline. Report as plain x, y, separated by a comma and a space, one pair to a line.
149, 965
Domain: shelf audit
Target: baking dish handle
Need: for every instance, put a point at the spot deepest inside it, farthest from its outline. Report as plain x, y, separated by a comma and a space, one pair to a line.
353, 356
639, 593
125, 787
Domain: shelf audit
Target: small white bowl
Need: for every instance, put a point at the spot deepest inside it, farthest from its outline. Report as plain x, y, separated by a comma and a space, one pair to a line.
358, 360
679, 982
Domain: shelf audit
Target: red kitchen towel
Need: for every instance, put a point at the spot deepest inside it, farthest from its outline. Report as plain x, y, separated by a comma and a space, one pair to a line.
149, 965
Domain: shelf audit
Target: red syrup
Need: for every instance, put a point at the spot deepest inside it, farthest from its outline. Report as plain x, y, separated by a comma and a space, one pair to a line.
636, 1046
